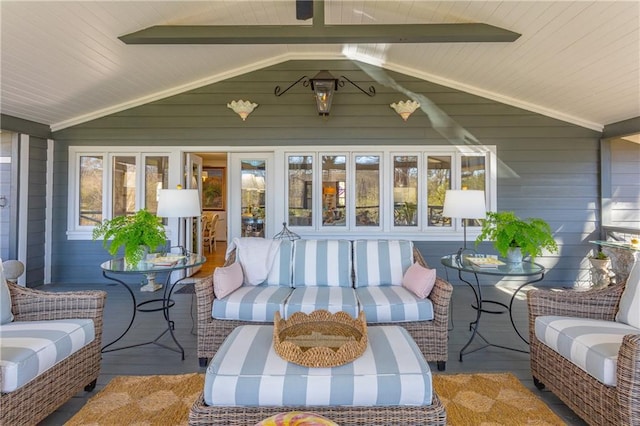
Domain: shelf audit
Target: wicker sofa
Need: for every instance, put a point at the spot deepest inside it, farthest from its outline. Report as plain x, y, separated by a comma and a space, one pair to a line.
430, 335
41, 396
616, 403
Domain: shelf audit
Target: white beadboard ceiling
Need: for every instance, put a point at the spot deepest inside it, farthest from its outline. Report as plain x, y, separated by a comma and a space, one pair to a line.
62, 63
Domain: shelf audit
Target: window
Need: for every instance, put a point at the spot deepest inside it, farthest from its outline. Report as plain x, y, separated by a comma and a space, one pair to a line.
393, 191
110, 184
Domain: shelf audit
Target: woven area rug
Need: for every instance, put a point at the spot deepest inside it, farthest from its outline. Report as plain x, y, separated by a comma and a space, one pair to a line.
470, 399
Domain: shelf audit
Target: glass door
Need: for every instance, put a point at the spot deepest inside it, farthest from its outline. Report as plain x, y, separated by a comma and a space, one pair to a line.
193, 180
250, 201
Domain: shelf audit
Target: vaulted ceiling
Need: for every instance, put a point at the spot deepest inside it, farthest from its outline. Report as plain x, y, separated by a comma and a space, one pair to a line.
63, 64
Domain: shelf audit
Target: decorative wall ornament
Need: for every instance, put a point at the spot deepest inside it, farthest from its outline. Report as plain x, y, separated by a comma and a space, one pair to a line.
242, 108
406, 108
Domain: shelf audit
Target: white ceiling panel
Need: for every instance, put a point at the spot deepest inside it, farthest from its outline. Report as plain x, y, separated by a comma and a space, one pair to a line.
62, 62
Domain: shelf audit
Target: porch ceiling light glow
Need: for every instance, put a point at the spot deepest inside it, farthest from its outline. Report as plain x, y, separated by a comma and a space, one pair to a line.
324, 85
406, 108
242, 108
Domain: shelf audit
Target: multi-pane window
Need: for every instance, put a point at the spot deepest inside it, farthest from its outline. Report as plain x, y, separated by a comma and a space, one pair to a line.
473, 171
438, 181
334, 190
123, 180
90, 188
156, 177
367, 190
300, 190
405, 190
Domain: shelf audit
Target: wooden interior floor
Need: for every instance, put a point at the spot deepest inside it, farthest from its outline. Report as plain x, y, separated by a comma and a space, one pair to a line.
152, 359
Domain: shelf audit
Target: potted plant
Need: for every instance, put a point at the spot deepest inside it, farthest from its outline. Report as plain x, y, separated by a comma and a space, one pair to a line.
599, 261
516, 238
139, 234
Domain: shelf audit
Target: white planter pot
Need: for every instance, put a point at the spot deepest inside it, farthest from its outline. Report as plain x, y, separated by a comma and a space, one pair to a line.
514, 255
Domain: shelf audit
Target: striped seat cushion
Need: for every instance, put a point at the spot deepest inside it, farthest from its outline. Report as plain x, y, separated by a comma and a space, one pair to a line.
332, 299
246, 371
281, 271
381, 262
29, 348
590, 344
252, 303
322, 263
393, 303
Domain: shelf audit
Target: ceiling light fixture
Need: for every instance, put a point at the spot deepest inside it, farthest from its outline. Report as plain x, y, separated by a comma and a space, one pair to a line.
242, 108
405, 109
324, 85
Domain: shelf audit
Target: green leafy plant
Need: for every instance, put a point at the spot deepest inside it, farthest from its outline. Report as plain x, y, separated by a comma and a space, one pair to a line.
600, 256
507, 230
137, 233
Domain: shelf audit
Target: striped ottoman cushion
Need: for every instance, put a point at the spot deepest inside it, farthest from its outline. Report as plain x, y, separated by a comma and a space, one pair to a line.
590, 344
381, 262
252, 303
393, 303
30, 348
332, 299
324, 263
246, 371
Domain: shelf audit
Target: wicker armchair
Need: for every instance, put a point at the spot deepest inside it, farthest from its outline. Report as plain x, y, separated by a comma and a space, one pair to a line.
593, 401
43, 395
431, 336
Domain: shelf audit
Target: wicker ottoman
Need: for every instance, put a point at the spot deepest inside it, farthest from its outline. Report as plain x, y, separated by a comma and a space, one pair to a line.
247, 381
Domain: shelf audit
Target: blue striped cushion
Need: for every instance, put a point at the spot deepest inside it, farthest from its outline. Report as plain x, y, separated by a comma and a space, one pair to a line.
280, 273
590, 344
322, 263
30, 348
332, 299
381, 262
393, 304
246, 371
252, 303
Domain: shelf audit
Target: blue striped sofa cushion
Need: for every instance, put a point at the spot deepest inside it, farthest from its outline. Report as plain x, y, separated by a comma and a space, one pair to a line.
590, 344
393, 303
246, 371
381, 262
252, 303
332, 299
30, 348
281, 271
322, 263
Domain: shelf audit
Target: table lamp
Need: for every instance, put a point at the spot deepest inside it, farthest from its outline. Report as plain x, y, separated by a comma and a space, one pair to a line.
180, 203
464, 204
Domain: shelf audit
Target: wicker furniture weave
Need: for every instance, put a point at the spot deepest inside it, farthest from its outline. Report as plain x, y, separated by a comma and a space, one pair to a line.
40, 397
431, 336
434, 414
596, 403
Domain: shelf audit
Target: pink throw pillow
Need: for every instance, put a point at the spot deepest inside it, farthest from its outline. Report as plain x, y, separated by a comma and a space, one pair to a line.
227, 279
419, 280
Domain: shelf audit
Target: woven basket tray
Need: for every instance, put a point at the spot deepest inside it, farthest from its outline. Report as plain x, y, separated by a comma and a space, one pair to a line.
320, 339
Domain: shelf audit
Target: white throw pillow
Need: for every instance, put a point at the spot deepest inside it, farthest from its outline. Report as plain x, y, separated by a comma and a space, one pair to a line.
6, 315
227, 279
629, 310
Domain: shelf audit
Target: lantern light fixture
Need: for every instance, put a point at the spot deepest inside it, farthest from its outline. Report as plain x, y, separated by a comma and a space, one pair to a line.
405, 108
324, 85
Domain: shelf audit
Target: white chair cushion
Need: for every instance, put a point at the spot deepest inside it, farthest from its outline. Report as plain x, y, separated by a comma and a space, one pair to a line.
592, 345
393, 303
381, 262
629, 310
5, 299
247, 371
30, 348
252, 303
325, 263
332, 299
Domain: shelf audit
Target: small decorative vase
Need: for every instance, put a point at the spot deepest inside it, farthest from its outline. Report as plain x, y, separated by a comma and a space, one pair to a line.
514, 255
600, 264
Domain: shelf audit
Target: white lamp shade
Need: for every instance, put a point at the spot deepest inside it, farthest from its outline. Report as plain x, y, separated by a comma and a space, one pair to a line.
178, 203
464, 204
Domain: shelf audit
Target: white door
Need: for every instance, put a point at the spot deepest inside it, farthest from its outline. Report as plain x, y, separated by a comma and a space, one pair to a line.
193, 232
